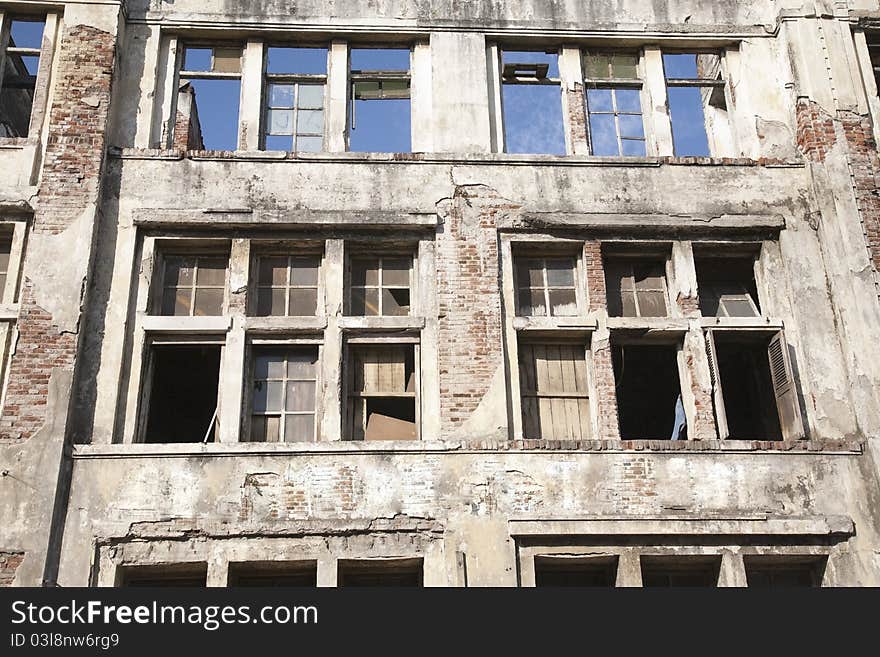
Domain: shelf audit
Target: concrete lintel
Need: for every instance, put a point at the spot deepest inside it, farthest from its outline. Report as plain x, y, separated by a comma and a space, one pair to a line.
756, 324
727, 222
236, 217
650, 325
154, 324
286, 324
13, 206
748, 525
381, 323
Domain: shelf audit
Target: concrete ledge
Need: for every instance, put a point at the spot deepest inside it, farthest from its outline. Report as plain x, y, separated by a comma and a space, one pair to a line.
555, 324
285, 324
757, 324
751, 525
154, 324
242, 217
381, 323
614, 221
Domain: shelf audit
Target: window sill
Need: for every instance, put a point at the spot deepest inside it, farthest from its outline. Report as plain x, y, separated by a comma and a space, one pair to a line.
757, 324
16, 143
381, 323
285, 324
218, 450
555, 325
649, 327
158, 324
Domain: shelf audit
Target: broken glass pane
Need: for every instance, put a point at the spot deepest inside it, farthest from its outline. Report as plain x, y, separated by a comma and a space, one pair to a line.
680, 66
652, 304
303, 61
273, 271
395, 302
364, 272
395, 272
533, 57
178, 271
381, 126
279, 143
269, 366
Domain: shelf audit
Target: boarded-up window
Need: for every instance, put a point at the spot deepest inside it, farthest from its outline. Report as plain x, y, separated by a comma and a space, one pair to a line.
287, 286
5, 249
193, 285
546, 287
554, 387
382, 394
727, 287
284, 394
380, 286
636, 287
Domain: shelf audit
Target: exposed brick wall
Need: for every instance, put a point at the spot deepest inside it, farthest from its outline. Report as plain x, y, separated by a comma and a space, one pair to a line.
187, 134
468, 284
9, 563
815, 130
69, 183
577, 119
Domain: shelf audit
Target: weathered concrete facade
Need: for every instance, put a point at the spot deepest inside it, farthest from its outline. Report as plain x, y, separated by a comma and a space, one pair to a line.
101, 193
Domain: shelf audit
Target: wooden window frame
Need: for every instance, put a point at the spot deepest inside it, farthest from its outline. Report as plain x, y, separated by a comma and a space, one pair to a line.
631, 261
291, 254
614, 84
577, 276
381, 257
158, 302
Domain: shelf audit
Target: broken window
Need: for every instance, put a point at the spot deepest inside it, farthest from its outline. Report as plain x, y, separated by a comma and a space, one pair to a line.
546, 286
568, 571
380, 120
287, 285
5, 250
209, 98
283, 574
296, 79
183, 386
284, 395
532, 101
648, 392
753, 385
398, 572
680, 572
19, 64
636, 287
784, 572
555, 391
170, 575
614, 104
695, 90
727, 287
380, 286
383, 401
193, 285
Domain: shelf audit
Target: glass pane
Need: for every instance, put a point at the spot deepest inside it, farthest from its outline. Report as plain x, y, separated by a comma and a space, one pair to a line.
560, 273
532, 303
738, 306
628, 100
652, 304
631, 125
563, 303
259, 398
303, 271
279, 143
367, 90
227, 60
302, 364
281, 95
209, 302
365, 271
625, 66
179, 272
300, 396
303, 302
680, 66
4, 257
211, 272
281, 122
258, 429
365, 301
309, 61
395, 272
633, 148
31, 64
628, 304
310, 121
598, 67
269, 366
299, 428
175, 301
380, 59
309, 144
274, 393
603, 135
395, 302
533, 57
311, 96
648, 276
599, 100
26, 34
273, 428
533, 119
273, 271
688, 122
197, 59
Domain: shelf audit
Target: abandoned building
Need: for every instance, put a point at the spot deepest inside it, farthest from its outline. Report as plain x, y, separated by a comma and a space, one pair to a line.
447, 293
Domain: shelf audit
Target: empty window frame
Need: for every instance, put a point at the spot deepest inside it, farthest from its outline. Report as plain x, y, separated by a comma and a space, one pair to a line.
397, 573
547, 287
754, 389
193, 285
274, 574
554, 386
182, 383
636, 286
380, 286
680, 571
284, 394
296, 81
383, 398
784, 571
21, 41
287, 285
614, 103
380, 120
695, 89
575, 571
532, 102
209, 98
171, 575
648, 389
5, 252
727, 287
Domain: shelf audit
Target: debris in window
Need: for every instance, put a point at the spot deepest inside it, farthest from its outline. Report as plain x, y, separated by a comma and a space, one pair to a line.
383, 392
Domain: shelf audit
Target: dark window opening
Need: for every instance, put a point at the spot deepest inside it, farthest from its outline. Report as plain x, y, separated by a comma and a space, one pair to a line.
648, 392
636, 287
749, 402
183, 394
382, 395
172, 575
381, 573
289, 574
727, 287
532, 103
680, 572
556, 572
784, 572
380, 120
18, 79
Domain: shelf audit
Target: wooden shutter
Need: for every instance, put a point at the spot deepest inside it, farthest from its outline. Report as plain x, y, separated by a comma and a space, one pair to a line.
784, 388
555, 395
717, 393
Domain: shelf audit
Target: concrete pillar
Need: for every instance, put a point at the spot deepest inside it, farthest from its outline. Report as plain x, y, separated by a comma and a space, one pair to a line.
251, 96
327, 571
422, 99
332, 394
733, 570
657, 112
232, 366
337, 92
629, 570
